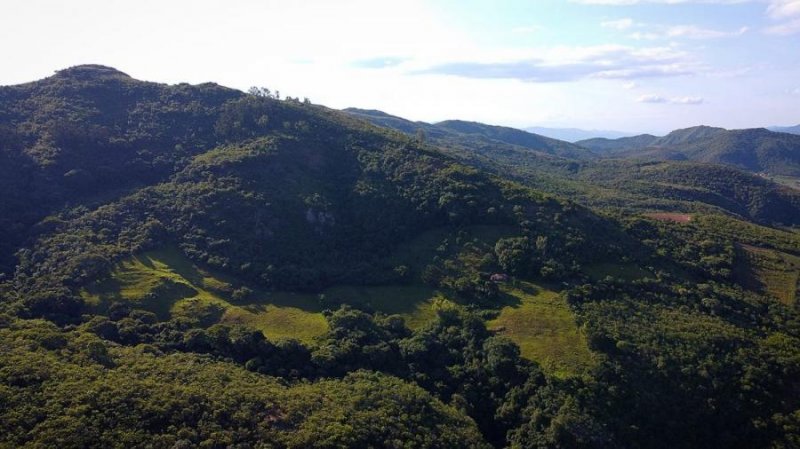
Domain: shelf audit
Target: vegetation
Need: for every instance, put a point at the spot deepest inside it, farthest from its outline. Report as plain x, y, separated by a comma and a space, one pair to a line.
192, 266
541, 323
665, 182
755, 150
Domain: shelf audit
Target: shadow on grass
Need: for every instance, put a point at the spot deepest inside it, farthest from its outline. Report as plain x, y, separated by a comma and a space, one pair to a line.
176, 262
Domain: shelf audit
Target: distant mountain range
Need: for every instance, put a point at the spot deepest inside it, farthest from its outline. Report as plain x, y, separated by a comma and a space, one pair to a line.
758, 150
478, 136
785, 129
632, 171
575, 134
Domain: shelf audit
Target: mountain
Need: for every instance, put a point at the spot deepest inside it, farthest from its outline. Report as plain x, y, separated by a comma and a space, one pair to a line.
574, 134
89, 134
688, 136
197, 218
194, 266
281, 168
755, 150
677, 137
785, 129
633, 184
610, 146
489, 138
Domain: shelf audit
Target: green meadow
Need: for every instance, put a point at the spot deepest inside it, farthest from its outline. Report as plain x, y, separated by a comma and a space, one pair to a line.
168, 284
542, 324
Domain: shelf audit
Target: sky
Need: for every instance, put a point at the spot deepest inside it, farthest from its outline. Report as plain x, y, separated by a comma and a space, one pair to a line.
628, 65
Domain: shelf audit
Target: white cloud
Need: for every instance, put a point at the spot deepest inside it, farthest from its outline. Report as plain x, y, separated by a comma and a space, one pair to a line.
694, 32
621, 24
658, 99
566, 63
787, 11
781, 9
639, 36
687, 100
630, 85
651, 99
685, 32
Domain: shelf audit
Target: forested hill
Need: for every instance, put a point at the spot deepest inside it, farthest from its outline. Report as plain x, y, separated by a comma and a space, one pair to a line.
194, 266
755, 150
607, 146
592, 180
477, 135
89, 134
306, 176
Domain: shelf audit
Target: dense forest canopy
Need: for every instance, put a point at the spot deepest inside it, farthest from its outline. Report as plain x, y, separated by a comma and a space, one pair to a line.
194, 266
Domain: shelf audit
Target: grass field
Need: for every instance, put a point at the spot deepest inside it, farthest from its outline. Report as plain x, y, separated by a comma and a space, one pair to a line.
168, 284
768, 271
543, 326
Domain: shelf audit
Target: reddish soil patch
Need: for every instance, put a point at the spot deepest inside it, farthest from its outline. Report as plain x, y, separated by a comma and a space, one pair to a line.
666, 216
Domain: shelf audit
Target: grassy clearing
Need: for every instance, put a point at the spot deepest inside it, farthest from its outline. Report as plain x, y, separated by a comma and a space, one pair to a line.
167, 283
543, 326
768, 271
413, 302
670, 217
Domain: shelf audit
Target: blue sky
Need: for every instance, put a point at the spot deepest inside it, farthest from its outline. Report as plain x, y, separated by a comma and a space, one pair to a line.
631, 65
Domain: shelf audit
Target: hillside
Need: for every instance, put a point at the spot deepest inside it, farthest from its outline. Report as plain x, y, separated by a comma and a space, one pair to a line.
90, 133
610, 146
688, 186
688, 136
515, 137
197, 266
755, 150
474, 135
631, 185
675, 138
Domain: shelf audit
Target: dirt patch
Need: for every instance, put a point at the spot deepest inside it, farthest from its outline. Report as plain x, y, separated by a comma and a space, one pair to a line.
667, 216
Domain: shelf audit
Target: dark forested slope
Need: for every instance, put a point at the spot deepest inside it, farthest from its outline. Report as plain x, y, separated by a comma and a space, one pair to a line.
90, 133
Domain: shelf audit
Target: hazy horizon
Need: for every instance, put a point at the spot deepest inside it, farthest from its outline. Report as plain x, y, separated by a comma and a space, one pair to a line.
624, 65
